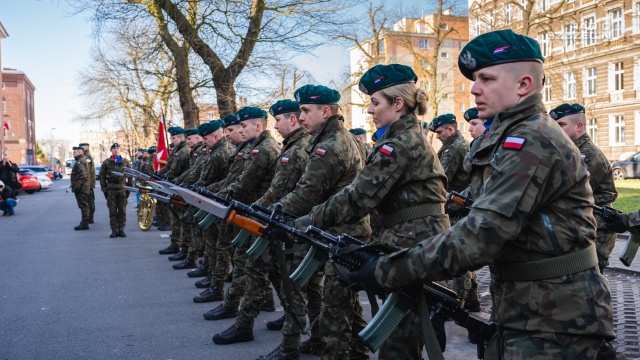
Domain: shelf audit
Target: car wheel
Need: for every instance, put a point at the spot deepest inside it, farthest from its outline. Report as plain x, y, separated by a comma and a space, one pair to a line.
30, 191
618, 174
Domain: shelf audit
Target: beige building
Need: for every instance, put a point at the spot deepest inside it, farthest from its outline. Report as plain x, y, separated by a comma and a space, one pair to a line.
592, 51
430, 45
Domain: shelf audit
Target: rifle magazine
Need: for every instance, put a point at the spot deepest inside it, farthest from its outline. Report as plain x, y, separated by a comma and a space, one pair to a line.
242, 237
307, 268
386, 321
257, 249
207, 222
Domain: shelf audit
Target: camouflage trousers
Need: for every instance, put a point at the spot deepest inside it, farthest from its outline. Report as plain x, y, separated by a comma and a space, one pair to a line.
85, 209
305, 300
519, 345
466, 287
91, 202
176, 225
341, 319
235, 292
605, 241
197, 241
209, 237
186, 226
224, 252
117, 204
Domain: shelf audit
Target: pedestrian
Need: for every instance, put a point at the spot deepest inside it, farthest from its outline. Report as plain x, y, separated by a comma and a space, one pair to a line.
531, 220
9, 175
91, 165
81, 186
476, 125
7, 200
114, 192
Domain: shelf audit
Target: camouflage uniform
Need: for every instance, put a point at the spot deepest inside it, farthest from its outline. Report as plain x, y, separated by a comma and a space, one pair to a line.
405, 182
250, 278
604, 193
162, 209
532, 203
112, 186
335, 159
92, 184
81, 187
177, 166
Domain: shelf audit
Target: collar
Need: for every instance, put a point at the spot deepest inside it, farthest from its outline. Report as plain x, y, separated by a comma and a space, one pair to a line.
452, 138
333, 123
294, 135
389, 131
581, 140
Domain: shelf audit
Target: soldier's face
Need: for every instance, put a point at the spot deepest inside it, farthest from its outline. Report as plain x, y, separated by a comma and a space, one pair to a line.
193, 140
312, 116
283, 124
249, 130
115, 151
77, 153
495, 89
234, 135
444, 132
382, 111
476, 127
572, 127
211, 139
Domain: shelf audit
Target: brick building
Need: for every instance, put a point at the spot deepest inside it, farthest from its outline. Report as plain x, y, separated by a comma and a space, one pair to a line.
18, 110
3, 34
592, 51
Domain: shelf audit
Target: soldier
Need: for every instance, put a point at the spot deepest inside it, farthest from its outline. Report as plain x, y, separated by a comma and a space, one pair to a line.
531, 219
476, 125
112, 187
146, 166
250, 282
137, 165
334, 161
80, 186
361, 135
91, 165
403, 180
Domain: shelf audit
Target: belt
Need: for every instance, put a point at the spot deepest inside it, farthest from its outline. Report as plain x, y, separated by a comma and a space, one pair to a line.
572, 263
411, 213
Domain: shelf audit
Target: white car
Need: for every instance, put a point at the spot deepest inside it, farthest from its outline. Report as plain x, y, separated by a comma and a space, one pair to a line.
45, 182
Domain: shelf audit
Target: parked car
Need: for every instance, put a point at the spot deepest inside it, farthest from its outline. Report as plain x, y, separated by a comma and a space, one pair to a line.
39, 170
45, 182
97, 172
627, 169
29, 181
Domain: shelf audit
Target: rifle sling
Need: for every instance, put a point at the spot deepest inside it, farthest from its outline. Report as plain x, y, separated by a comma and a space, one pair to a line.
286, 285
428, 334
572, 263
410, 213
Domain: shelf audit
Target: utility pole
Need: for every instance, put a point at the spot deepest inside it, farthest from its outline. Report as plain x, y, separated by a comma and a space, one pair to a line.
51, 147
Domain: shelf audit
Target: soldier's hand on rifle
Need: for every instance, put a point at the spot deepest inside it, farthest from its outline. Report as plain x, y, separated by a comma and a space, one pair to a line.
302, 223
364, 277
616, 222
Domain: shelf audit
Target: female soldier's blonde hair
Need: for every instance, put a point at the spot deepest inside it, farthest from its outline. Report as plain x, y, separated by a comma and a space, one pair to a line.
415, 99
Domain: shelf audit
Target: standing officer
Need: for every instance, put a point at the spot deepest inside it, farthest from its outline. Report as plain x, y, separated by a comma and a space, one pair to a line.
91, 165
476, 125
80, 186
532, 218
112, 187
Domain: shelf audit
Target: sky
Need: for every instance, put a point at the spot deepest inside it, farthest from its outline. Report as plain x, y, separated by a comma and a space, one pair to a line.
50, 47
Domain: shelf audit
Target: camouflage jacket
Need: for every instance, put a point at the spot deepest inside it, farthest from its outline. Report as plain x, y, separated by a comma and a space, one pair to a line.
215, 165
196, 158
290, 165
604, 190
179, 161
91, 165
146, 166
401, 172
451, 156
632, 220
235, 166
532, 202
109, 181
257, 170
80, 177
334, 161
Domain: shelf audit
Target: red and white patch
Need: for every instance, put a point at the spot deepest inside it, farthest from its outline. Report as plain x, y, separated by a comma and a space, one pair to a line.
446, 151
320, 151
284, 160
584, 157
240, 154
513, 143
386, 149
255, 152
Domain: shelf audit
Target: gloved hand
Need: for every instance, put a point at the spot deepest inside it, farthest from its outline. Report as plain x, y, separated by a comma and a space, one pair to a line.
364, 278
128, 192
616, 222
302, 223
105, 194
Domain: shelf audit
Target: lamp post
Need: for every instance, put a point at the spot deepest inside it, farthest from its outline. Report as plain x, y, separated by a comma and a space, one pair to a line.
51, 146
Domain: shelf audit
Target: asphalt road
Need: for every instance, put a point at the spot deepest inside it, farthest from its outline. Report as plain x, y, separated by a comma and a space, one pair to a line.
68, 294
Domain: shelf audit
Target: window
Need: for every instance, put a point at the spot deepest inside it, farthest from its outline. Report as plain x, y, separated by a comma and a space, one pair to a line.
590, 82
423, 44
444, 55
381, 47
462, 87
444, 27
4, 106
592, 130
210, 116
544, 43
589, 31
463, 127
570, 37
636, 18
570, 85
546, 91
521, 11
617, 133
462, 108
636, 74
477, 26
544, 5
637, 127
616, 22
617, 76
507, 15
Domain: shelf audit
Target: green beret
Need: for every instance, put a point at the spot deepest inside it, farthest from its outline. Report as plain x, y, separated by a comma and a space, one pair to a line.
84, 144
383, 76
176, 130
358, 131
115, 145
78, 148
497, 47
152, 150
250, 112
566, 109
142, 150
425, 125
230, 119
283, 107
190, 132
471, 114
210, 127
316, 94
442, 120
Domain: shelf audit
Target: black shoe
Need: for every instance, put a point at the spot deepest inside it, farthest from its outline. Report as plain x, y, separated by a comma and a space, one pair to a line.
277, 324
472, 306
221, 312
178, 256
229, 277
234, 334
201, 271
155, 223
312, 346
185, 264
81, 227
91, 221
209, 295
268, 306
281, 353
121, 233
168, 251
606, 352
204, 283
114, 233
164, 228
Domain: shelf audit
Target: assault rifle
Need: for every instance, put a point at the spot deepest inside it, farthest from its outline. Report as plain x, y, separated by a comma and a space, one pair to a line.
161, 185
343, 250
631, 248
464, 201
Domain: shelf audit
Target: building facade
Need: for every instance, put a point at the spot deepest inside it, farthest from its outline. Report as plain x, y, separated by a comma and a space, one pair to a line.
18, 110
592, 51
3, 34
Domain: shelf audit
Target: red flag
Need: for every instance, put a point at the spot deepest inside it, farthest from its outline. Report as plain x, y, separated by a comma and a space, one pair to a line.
7, 125
162, 153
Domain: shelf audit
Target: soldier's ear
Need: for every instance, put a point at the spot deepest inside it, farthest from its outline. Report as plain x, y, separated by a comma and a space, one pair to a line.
398, 104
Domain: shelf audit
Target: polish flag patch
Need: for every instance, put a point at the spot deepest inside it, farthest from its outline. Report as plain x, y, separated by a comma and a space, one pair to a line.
320, 151
446, 151
284, 160
584, 157
386, 149
240, 154
255, 152
513, 143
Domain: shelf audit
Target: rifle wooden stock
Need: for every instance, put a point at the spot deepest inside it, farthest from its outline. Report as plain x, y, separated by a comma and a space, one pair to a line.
245, 223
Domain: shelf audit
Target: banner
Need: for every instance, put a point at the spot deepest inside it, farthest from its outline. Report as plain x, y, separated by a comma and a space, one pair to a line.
162, 152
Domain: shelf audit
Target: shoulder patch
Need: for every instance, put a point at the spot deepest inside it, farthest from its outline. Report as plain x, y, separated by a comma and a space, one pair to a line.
320, 151
446, 151
284, 160
255, 152
584, 157
386, 149
513, 143
240, 154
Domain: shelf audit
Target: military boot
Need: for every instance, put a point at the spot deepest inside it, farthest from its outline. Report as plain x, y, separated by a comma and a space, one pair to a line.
121, 233
312, 346
202, 270
221, 312
472, 306
181, 255
185, 264
606, 351
234, 334
114, 233
281, 353
204, 283
164, 228
168, 251
277, 324
81, 227
209, 295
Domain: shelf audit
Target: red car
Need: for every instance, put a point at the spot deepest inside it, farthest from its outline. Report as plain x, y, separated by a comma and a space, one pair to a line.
29, 181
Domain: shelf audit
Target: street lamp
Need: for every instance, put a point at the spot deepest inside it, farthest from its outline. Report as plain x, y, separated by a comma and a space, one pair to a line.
51, 154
